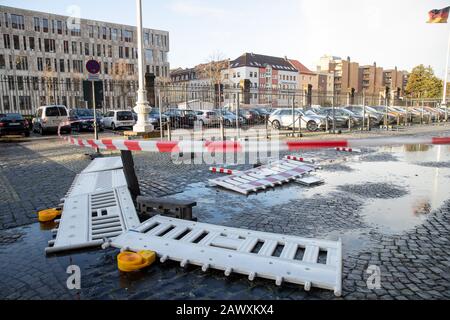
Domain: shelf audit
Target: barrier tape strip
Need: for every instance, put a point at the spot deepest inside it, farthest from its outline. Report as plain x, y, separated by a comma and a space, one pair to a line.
189, 146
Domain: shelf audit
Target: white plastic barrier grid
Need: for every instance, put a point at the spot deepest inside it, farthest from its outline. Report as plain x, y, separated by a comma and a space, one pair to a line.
261, 178
307, 262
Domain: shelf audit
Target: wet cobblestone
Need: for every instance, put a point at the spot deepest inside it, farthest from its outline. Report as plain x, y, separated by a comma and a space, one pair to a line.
376, 190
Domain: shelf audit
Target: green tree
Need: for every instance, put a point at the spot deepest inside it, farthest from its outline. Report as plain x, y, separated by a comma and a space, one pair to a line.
423, 83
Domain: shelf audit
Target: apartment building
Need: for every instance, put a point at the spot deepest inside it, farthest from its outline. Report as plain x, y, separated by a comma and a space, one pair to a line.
393, 79
371, 80
43, 57
346, 74
269, 79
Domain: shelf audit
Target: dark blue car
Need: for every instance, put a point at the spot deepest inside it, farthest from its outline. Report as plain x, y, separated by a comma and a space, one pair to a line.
83, 120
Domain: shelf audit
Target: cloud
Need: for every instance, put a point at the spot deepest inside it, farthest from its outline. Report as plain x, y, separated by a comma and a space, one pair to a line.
196, 9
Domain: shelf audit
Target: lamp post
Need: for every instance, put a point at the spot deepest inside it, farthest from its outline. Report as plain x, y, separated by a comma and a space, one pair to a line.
142, 106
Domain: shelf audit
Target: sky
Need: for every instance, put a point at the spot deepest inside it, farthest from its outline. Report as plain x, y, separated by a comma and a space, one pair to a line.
388, 32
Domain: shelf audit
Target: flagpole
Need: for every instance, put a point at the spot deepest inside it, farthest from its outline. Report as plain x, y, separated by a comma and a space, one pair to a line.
444, 98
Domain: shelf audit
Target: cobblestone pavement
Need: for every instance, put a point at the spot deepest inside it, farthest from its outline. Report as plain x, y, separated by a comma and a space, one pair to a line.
414, 262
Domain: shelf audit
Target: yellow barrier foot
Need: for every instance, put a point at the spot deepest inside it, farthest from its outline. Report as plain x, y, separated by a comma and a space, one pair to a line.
49, 214
130, 261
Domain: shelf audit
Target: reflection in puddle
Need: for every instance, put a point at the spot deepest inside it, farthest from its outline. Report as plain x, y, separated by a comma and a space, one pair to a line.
427, 188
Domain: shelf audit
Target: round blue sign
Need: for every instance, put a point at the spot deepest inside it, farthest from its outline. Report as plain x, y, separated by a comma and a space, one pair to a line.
93, 67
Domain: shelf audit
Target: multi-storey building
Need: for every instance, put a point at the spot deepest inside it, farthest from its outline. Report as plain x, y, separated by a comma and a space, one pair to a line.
346, 74
270, 80
393, 79
371, 80
43, 57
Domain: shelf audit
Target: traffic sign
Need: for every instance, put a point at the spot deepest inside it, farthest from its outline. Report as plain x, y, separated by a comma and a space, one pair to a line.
93, 66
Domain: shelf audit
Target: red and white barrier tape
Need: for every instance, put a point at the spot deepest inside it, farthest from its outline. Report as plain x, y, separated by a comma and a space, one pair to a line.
224, 171
294, 158
247, 146
344, 149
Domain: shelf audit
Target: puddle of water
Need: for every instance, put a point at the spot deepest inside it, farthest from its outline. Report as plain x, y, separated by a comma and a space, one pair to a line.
428, 188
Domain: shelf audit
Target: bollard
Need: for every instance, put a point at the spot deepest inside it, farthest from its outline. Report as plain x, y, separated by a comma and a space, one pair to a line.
130, 174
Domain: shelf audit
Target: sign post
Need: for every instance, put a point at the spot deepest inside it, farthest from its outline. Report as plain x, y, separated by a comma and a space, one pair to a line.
93, 67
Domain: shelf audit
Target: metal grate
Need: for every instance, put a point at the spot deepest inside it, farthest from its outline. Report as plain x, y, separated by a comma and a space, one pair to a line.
307, 262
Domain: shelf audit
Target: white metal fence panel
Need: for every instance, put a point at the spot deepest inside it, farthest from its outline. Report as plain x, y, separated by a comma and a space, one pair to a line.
268, 176
90, 218
104, 164
307, 262
97, 182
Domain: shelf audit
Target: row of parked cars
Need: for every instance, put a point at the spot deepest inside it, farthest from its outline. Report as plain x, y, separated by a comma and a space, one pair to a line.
48, 118
318, 118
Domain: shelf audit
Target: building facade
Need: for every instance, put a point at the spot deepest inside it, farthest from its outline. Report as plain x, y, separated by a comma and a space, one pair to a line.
393, 80
270, 80
346, 74
43, 58
371, 80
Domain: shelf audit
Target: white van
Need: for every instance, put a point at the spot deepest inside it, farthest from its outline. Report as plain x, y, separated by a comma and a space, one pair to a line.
48, 119
116, 119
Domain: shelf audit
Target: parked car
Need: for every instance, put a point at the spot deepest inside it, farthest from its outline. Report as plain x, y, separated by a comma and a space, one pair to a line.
376, 117
155, 118
13, 124
229, 118
83, 120
264, 114
249, 116
359, 113
341, 121
115, 119
392, 117
284, 118
208, 117
181, 118
49, 118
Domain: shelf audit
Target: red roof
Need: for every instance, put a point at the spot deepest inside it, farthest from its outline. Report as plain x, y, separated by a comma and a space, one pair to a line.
301, 67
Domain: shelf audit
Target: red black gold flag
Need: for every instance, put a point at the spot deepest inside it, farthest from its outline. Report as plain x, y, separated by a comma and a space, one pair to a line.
438, 16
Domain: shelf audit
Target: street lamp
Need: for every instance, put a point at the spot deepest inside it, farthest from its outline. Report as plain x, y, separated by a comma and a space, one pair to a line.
142, 106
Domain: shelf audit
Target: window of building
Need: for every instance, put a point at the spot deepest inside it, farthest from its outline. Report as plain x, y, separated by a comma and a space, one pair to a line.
40, 64
74, 47
62, 65
86, 49
110, 51
91, 31
21, 63
48, 64
128, 36
25, 43
114, 33
99, 50
66, 47
6, 104
45, 25
127, 52
59, 27
11, 83
37, 24
149, 56
32, 43
16, 42
6, 41
146, 38
49, 45
17, 22
78, 66
121, 52
75, 31
2, 61
104, 33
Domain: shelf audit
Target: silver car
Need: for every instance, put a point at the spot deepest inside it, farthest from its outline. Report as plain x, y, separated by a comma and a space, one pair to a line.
284, 118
